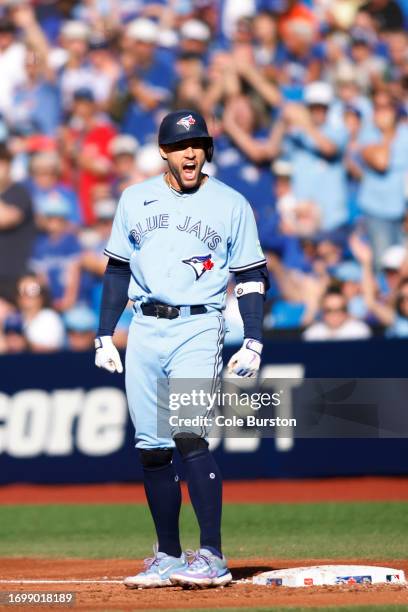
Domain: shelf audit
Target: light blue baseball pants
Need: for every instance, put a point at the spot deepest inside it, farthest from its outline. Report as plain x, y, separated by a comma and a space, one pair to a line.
168, 350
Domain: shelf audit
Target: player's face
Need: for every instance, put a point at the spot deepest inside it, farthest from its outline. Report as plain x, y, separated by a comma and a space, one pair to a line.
185, 160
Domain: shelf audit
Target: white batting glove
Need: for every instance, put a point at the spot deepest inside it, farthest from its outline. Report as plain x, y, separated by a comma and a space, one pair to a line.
247, 360
107, 355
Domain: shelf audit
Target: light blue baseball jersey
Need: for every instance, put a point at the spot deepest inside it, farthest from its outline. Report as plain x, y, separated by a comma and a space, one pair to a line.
182, 246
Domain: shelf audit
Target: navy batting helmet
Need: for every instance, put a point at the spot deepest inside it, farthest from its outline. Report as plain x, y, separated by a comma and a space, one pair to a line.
183, 125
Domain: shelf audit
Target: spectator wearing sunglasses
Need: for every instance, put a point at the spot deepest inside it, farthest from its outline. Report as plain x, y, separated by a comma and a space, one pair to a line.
336, 322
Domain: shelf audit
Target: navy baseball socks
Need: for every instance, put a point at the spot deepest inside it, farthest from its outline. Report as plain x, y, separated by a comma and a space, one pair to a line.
206, 567
205, 488
163, 493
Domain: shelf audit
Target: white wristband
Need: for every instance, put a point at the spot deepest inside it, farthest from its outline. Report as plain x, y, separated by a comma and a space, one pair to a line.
249, 287
253, 345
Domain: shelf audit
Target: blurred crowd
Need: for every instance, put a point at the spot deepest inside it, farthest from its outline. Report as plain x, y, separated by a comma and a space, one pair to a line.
308, 104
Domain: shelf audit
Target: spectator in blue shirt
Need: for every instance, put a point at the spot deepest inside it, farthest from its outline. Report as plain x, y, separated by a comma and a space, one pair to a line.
36, 103
152, 66
234, 166
147, 83
348, 94
315, 146
195, 36
55, 256
74, 72
299, 58
382, 197
44, 183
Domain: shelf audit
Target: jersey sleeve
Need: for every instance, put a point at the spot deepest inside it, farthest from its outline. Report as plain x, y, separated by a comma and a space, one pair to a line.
119, 244
245, 250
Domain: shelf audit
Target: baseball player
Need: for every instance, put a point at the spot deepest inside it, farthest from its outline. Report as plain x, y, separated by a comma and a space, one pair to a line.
174, 241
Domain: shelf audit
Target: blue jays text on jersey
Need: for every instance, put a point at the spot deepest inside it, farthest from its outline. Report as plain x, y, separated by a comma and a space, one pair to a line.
182, 251
205, 233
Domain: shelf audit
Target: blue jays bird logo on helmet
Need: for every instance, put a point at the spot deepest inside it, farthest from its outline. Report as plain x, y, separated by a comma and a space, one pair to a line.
200, 264
186, 122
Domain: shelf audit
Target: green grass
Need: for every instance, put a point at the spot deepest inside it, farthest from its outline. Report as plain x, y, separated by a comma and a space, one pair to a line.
349, 530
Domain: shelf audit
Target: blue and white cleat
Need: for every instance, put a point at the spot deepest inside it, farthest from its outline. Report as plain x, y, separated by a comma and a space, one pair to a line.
204, 570
157, 571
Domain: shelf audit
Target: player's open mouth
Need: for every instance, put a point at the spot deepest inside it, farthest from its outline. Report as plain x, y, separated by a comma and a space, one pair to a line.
189, 170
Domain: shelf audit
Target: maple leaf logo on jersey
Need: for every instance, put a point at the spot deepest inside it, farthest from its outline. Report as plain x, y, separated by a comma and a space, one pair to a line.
200, 264
186, 122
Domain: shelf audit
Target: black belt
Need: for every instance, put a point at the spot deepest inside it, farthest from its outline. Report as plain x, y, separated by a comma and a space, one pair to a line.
165, 311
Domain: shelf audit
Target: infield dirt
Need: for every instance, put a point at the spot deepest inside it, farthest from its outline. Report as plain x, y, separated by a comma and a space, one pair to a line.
100, 596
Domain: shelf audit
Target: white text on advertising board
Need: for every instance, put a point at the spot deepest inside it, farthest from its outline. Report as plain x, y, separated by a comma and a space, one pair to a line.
35, 422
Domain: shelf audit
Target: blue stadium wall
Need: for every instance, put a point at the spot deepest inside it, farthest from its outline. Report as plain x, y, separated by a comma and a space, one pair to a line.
64, 421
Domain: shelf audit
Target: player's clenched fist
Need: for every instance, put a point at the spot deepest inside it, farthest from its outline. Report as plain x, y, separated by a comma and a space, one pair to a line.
107, 355
247, 360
